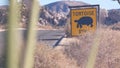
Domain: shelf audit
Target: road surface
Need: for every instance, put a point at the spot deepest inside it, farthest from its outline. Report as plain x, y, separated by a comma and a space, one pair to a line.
48, 37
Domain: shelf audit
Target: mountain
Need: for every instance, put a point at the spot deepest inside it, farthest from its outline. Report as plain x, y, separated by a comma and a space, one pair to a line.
63, 6
56, 14
53, 14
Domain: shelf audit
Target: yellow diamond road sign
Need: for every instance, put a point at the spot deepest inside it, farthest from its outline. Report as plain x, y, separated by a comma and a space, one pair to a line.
83, 20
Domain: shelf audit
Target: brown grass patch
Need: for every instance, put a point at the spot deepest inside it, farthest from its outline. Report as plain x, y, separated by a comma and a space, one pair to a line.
108, 53
78, 48
47, 57
109, 50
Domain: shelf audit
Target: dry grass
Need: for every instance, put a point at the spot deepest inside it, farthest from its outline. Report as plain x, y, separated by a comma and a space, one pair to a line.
108, 53
47, 57
78, 48
109, 50
74, 52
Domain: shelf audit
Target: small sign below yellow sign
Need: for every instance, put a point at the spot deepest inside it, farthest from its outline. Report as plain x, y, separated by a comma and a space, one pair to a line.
83, 20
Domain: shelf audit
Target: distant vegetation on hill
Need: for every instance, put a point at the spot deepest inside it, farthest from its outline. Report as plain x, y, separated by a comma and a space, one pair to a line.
3, 14
113, 16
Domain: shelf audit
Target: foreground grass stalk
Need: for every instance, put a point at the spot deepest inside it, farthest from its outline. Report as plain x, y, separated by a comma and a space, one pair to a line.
12, 45
31, 34
94, 51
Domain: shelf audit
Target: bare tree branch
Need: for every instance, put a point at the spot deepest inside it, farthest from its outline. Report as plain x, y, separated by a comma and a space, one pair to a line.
117, 1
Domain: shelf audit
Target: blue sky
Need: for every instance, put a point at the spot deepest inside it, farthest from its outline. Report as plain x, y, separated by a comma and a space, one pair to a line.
107, 4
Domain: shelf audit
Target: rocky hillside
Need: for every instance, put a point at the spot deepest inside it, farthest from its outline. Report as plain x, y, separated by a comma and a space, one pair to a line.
56, 13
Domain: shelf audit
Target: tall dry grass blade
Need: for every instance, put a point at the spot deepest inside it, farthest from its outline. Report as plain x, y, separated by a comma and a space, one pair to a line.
94, 51
31, 34
12, 44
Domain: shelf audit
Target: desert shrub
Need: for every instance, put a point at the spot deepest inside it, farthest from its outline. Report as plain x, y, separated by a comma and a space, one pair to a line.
78, 48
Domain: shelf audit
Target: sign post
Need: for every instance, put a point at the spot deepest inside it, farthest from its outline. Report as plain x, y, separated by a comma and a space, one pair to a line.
83, 20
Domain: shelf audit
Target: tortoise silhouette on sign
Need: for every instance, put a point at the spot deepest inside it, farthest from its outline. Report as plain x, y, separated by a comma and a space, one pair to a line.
84, 21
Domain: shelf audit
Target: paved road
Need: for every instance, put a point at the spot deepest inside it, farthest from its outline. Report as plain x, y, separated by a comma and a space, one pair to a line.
42, 35
48, 37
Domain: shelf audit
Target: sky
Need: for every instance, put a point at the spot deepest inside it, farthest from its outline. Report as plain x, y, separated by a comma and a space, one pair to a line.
107, 4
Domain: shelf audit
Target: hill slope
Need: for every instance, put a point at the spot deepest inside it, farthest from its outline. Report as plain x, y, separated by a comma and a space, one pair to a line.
56, 13
63, 6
